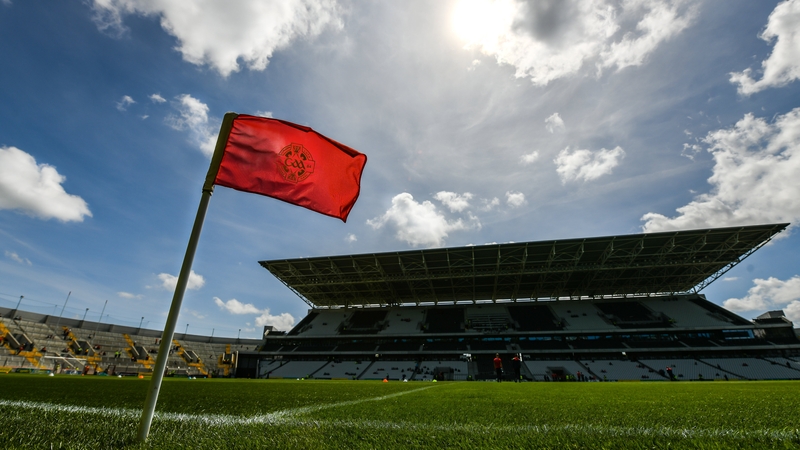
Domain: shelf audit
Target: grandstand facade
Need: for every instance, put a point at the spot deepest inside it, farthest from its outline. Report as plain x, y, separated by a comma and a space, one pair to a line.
609, 308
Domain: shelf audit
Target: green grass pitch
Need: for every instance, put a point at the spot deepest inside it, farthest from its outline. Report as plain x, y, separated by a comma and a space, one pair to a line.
68, 412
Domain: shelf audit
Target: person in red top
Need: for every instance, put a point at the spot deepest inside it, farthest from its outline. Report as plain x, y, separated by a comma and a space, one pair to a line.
498, 366
516, 363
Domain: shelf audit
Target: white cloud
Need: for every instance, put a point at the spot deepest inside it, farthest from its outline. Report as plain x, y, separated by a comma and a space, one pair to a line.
128, 295
350, 238
220, 34
124, 102
783, 64
15, 257
792, 311
515, 199
547, 40
194, 118
157, 98
264, 114
453, 201
284, 321
530, 158
418, 224
35, 189
145, 116
234, 306
488, 205
197, 314
730, 278
770, 294
691, 150
586, 165
754, 179
169, 282
554, 123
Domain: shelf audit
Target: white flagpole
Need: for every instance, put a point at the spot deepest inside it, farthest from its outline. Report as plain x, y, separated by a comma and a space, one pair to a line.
183, 280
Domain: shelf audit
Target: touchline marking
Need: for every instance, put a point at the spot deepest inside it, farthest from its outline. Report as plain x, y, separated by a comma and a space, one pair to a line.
289, 417
280, 417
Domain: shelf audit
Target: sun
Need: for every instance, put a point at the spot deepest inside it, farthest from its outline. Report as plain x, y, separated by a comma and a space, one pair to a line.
475, 21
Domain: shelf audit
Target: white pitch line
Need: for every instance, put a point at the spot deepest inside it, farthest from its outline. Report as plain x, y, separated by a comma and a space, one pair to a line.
289, 417
274, 418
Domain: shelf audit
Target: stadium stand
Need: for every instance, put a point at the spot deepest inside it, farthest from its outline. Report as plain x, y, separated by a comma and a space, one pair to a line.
533, 317
364, 322
444, 320
685, 369
444, 345
753, 368
66, 345
403, 321
566, 302
791, 363
488, 318
553, 370
297, 369
579, 316
617, 308
394, 370
400, 345
621, 370
349, 370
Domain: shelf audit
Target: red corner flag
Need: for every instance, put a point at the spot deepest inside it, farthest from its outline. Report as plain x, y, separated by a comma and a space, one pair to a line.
289, 162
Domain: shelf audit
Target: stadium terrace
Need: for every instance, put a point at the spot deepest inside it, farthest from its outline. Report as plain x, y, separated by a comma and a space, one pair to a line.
611, 308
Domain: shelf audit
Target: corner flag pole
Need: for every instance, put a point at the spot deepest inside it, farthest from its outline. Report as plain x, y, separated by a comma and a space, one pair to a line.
183, 279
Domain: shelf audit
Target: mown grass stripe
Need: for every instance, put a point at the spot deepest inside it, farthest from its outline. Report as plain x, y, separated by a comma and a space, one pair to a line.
289, 417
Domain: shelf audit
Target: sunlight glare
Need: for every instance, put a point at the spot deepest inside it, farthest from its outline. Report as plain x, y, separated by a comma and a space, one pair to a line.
475, 21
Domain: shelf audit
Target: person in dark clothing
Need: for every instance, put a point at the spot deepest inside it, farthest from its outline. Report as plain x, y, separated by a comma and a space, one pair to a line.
516, 364
498, 367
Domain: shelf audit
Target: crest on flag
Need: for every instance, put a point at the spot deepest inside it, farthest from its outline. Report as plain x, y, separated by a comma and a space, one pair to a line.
296, 163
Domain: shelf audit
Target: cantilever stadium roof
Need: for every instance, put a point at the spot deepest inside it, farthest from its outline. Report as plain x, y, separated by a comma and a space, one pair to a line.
653, 263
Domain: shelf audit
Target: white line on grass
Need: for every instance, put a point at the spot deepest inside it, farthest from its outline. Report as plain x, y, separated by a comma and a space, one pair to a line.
280, 417
289, 417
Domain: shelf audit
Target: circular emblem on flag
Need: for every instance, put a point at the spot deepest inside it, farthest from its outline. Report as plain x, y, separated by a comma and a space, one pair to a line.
296, 163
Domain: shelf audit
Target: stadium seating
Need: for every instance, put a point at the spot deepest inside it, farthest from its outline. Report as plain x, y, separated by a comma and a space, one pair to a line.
753, 368
632, 314
349, 370
535, 317
105, 348
320, 323
428, 370
399, 346
403, 321
445, 346
686, 313
488, 318
395, 370
688, 369
369, 347
579, 316
555, 370
558, 339
297, 369
444, 320
621, 370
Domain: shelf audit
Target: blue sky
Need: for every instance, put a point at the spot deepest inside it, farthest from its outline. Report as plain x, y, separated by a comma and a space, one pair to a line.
483, 121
